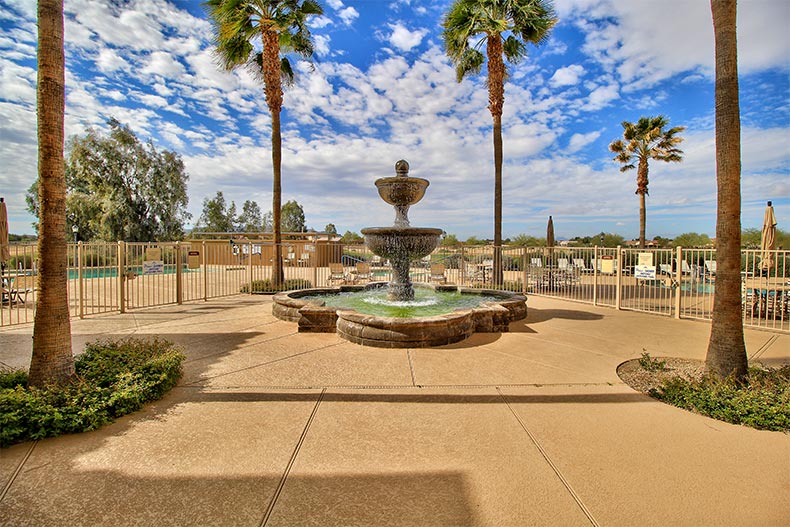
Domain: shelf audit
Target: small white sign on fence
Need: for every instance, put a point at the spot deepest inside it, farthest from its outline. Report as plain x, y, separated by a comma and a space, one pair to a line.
645, 272
645, 258
153, 267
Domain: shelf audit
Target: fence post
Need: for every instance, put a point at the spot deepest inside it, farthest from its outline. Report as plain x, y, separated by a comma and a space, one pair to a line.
249, 261
205, 271
462, 265
678, 277
179, 275
79, 281
524, 272
595, 275
619, 279
314, 262
121, 276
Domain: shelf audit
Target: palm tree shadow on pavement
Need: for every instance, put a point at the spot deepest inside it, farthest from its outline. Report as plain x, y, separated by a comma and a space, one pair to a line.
536, 316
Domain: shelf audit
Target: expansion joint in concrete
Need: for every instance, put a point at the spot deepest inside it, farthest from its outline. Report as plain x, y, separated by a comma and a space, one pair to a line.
550, 462
764, 347
17, 471
291, 461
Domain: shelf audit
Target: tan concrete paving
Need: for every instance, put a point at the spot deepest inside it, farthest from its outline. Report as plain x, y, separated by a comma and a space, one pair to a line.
531, 427
635, 461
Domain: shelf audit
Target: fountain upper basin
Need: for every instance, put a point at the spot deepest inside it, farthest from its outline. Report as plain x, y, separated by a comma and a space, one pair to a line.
400, 190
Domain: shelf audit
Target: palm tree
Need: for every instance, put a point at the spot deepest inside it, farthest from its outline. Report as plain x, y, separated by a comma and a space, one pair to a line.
644, 140
52, 360
281, 26
504, 27
726, 350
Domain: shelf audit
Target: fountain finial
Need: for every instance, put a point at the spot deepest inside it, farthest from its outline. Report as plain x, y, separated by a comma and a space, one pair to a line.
402, 168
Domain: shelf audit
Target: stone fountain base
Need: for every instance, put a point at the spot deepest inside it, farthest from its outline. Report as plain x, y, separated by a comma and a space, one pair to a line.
395, 332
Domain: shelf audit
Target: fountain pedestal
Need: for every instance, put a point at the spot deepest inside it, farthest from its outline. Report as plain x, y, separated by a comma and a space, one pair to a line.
401, 243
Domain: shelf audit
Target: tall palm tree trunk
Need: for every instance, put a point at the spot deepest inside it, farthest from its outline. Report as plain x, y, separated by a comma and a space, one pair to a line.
274, 99
726, 349
642, 220
52, 360
641, 189
278, 275
496, 101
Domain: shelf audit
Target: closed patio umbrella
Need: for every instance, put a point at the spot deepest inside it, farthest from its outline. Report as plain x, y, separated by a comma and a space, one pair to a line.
5, 252
768, 239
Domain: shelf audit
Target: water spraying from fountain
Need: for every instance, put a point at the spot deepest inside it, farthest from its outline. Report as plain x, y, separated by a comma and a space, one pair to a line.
401, 243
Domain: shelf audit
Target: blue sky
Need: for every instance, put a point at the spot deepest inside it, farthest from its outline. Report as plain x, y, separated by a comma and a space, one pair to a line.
381, 89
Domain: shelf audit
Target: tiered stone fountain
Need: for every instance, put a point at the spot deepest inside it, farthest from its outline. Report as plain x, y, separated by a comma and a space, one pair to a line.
401, 244
346, 310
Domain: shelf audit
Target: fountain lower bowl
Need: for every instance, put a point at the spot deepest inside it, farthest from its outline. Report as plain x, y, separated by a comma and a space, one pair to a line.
405, 242
312, 315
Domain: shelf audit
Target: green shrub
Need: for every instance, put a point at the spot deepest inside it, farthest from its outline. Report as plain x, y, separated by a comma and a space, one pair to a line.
763, 402
265, 286
650, 364
25, 259
113, 378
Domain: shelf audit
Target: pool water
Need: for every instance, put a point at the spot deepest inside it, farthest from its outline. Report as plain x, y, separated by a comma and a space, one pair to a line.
112, 272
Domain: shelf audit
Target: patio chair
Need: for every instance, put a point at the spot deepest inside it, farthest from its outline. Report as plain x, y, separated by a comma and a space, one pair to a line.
437, 273
304, 259
475, 274
362, 272
684, 267
579, 264
562, 264
290, 258
710, 267
337, 273
536, 262
665, 269
21, 286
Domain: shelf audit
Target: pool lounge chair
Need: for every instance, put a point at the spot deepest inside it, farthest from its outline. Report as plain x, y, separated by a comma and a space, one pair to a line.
437, 273
710, 267
579, 264
337, 273
362, 273
536, 262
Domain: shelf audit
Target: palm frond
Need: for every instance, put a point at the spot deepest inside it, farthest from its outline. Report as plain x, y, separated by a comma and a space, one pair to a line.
470, 62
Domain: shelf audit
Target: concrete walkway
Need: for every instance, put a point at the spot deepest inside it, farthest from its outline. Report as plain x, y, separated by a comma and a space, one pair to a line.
532, 427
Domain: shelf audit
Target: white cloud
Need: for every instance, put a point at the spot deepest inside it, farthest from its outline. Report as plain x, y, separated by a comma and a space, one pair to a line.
567, 76
403, 39
579, 141
601, 96
348, 15
321, 44
108, 60
163, 64
647, 42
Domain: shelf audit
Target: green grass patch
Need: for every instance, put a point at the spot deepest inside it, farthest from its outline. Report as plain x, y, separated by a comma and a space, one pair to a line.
113, 378
763, 402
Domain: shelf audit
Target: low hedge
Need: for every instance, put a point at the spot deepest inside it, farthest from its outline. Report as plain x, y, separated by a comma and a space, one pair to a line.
266, 286
113, 378
763, 402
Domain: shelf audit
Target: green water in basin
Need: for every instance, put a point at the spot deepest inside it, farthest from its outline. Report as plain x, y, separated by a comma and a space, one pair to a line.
426, 303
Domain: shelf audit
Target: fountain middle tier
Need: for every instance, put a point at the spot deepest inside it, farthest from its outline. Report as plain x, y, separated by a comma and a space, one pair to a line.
401, 245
